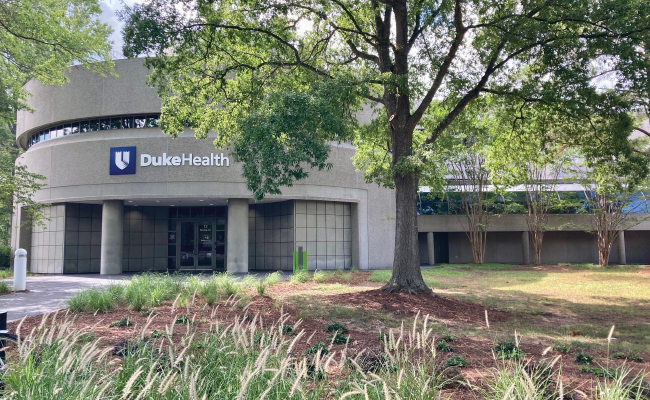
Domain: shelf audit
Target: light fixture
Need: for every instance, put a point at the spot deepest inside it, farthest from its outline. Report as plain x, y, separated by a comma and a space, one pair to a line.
130, 201
157, 201
211, 204
171, 205
200, 200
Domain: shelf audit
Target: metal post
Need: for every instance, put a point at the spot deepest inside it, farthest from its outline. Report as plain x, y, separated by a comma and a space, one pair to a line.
20, 270
3, 331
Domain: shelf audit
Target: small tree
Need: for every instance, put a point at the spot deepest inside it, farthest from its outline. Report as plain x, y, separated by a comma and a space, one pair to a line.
615, 202
468, 178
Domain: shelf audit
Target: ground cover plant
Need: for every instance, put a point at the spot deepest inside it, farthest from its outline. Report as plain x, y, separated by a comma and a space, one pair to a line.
285, 344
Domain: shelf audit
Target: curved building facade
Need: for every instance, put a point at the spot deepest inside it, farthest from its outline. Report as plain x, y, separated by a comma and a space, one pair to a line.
124, 197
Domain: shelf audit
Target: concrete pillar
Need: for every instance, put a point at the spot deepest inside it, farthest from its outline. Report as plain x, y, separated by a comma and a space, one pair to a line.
431, 249
112, 237
237, 248
525, 247
622, 259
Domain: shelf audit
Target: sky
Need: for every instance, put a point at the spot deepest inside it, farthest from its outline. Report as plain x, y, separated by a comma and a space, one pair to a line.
108, 16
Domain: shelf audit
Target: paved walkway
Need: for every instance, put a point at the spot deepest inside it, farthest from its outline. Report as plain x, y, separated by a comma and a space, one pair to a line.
48, 293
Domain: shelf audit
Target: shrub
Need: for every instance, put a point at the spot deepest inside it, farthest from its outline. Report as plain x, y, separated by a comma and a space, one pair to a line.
210, 290
91, 300
336, 327
5, 257
508, 351
288, 330
634, 356
4, 287
318, 347
300, 277
354, 268
273, 278
156, 334
124, 321
384, 336
321, 276
455, 361
6, 274
618, 356
183, 319
151, 289
149, 312
561, 347
260, 286
338, 338
583, 358
442, 345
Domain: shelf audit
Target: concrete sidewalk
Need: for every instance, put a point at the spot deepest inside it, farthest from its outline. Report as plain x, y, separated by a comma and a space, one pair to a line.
49, 293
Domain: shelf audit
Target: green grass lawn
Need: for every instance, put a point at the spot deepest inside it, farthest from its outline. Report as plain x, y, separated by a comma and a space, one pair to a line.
551, 301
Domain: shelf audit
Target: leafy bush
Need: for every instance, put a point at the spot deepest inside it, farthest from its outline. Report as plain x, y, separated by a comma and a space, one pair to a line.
455, 361
151, 290
183, 319
124, 321
338, 338
4, 287
91, 300
156, 334
5, 257
618, 356
300, 277
288, 330
508, 351
561, 347
583, 358
442, 345
321, 276
336, 327
148, 312
318, 347
634, 356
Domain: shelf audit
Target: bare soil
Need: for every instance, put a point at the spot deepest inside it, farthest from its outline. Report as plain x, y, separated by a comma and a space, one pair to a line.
453, 315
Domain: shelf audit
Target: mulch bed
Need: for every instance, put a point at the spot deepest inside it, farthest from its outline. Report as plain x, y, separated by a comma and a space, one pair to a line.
477, 350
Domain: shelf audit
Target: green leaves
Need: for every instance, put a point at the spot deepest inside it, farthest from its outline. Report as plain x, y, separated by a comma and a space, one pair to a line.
40, 39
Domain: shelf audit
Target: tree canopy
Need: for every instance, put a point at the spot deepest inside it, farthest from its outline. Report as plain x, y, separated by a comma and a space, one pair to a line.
420, 64
40, 39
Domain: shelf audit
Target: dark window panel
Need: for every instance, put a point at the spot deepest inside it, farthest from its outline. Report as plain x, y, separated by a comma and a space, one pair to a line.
75, 128
197, 212
116, 123
152, 121
104, 124
67, 130
84, 126
184, 212
140, 121
46, 135
127, 122
94, 125
172, 212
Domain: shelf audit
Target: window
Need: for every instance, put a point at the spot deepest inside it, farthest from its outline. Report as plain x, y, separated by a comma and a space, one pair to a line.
127, 122
140, 121
104, 124
152, 121
118, 122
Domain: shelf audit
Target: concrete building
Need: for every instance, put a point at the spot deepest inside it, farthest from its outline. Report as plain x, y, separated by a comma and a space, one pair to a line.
126, 198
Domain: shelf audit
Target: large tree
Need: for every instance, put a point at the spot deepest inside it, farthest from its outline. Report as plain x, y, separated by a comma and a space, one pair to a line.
40, 39
278, 79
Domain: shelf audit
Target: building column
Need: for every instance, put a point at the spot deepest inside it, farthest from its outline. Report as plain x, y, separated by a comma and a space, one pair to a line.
525, 247
622, 259
112, 237
237, 248
431, 249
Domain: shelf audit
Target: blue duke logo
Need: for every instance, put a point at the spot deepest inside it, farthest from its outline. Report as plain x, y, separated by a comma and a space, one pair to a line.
123, 160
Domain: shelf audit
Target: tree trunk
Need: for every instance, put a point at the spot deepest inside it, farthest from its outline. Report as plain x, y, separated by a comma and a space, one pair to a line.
538, 237
407, 276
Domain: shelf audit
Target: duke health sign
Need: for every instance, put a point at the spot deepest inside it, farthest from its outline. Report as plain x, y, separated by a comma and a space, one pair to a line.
123, 160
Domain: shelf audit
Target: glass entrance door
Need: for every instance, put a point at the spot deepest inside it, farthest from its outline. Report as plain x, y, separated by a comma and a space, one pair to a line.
205, 245
197, 245
187, 258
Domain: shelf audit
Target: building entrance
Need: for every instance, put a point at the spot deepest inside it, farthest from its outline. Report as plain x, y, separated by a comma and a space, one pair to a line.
201, 244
